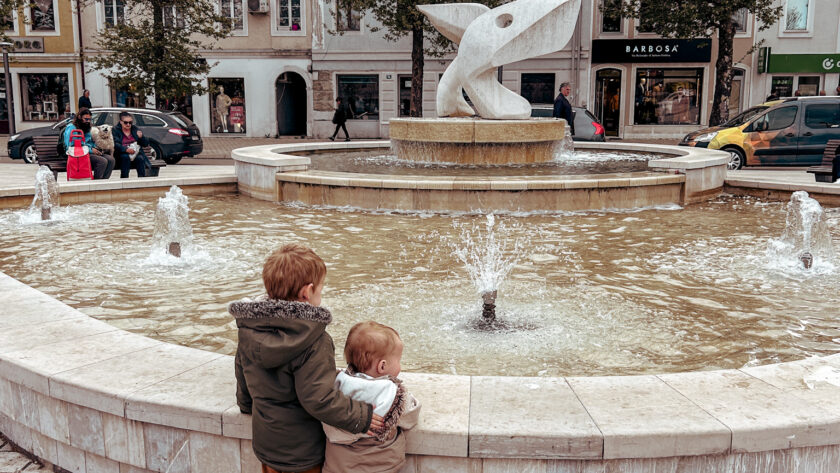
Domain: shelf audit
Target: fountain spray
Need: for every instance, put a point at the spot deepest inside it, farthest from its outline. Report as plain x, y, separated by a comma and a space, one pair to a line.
46, 193
806, 241
172, 222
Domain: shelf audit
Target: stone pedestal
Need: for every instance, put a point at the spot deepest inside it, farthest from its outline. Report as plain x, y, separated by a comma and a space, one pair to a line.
475, 140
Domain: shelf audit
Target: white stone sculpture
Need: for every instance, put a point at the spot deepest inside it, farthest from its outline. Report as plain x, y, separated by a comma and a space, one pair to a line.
488, 39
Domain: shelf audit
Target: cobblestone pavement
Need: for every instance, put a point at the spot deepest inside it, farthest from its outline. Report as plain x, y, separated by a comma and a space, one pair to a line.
14, 462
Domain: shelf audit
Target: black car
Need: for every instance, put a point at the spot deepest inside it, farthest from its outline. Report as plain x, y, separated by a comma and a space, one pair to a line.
172, 135
587, 127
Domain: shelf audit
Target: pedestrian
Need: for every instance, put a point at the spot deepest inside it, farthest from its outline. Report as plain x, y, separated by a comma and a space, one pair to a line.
130, 156
339, 119
84, 100
101, 163
773, 96
562, 107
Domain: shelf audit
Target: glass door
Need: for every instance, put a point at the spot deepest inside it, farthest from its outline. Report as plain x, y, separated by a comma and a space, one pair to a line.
608, 100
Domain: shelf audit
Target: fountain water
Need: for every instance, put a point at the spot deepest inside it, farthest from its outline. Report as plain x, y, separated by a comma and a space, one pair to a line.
805, 242
46, 194
172, 222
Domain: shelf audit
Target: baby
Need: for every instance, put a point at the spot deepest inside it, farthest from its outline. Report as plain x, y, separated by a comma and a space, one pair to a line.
373, 353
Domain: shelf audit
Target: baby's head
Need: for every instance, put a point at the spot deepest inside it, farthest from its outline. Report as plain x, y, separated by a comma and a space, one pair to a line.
373, 349
294, 273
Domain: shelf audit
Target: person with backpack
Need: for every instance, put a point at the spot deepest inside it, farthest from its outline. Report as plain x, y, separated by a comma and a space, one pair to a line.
102, 164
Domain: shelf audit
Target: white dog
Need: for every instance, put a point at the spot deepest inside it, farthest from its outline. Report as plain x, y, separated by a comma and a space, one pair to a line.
103, 138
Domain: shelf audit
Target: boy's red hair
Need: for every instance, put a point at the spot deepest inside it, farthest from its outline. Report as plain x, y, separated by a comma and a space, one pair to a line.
289, 269
367, 343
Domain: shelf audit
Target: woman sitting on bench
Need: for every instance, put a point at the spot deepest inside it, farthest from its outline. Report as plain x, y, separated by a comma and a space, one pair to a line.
124, 136
101, 163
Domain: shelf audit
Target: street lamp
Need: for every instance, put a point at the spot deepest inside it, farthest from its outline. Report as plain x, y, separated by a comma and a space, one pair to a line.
10, 100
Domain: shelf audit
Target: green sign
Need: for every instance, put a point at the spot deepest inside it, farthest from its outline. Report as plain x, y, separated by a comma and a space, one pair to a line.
763, 55
817, 63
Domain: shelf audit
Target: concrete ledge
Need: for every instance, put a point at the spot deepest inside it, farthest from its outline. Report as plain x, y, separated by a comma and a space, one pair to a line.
82, 394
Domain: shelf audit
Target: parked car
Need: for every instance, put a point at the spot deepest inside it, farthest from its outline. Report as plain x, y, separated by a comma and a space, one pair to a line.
172, 135
793, 132
587, 127
738, 120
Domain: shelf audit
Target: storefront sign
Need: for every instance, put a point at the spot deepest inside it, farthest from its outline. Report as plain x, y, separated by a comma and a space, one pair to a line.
651, 50
763, 56
817, 63
27, 45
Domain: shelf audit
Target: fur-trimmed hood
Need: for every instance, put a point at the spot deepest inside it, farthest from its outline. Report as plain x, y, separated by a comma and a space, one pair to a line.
276, 331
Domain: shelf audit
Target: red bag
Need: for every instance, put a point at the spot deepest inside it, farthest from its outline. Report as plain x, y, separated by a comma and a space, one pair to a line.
78, 157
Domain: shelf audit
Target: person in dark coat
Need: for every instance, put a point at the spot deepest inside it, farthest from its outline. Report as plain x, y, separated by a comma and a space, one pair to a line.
124, 135
84, 100
339, 118
562, 107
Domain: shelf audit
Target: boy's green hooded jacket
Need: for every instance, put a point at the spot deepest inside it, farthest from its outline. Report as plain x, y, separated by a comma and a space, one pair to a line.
285, 378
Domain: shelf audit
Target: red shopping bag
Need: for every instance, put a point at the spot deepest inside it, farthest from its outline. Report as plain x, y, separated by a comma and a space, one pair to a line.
78, 157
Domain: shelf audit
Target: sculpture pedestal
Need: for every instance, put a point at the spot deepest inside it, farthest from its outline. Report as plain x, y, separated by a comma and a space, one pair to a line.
475, 140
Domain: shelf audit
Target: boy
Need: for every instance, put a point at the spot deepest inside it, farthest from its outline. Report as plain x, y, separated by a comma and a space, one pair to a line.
285, 366
373, 353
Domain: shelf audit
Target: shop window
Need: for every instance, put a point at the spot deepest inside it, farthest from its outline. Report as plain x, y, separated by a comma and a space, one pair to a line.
538, 88
361, 93
126, 97
405, 95
796, 15
114, 12
822, 115
181, 104
740, 18
610, 20
288, 15
42, 16
234, 10
782, 86
668, 96
347, 18
808, 85
46, 97
173, 18
227, 105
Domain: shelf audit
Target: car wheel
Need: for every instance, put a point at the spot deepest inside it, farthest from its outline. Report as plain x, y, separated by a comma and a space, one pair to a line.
29, 154
172, 159
736, 159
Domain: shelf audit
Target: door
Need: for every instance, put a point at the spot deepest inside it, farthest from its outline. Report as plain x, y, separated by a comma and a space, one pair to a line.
4, 111
608, 100
820, 123
773, 137
290, 91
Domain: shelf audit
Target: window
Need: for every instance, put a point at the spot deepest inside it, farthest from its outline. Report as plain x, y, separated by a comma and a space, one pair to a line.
538, 88
361, 94
643, 22
347, 18
287, 15
777, 119
173, 18
148, 120
822, 115
405, 95
233, 9
9, 23
114, 12
740, 18
809, 85
782, 86
227, 105
610, 20
796, 15
126, 97
45, 97
668, 96
42, 16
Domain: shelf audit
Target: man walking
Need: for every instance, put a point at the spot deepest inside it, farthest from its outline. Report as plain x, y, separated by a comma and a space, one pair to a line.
339, 119
562, 107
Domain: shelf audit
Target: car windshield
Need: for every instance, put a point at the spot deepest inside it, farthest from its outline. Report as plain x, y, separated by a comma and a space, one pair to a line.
181, 119
744, 116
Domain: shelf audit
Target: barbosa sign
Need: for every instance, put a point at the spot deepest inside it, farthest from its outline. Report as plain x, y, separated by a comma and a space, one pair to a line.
651, 50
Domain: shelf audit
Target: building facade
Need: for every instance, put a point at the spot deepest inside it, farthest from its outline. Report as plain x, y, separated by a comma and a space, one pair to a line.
801, 53
260, 81
45, 65
645, 86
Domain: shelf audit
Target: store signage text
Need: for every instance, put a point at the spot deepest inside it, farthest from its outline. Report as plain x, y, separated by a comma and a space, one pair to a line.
651, 50
27, 45
815, 63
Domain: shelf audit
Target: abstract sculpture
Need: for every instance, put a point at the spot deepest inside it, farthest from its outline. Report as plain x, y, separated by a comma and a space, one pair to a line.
488, 39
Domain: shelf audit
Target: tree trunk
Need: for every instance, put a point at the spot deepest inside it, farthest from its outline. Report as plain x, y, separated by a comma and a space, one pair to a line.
159, 36
417, 72
723, 75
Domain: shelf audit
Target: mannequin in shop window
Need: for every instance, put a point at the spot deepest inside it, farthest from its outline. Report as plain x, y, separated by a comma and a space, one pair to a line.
222, 109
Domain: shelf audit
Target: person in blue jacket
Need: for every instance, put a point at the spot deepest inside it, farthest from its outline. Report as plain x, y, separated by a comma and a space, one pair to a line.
102, 164
124, 135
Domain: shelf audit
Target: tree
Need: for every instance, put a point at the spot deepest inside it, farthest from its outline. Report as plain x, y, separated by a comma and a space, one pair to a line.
699, 19
401, 18
156, 49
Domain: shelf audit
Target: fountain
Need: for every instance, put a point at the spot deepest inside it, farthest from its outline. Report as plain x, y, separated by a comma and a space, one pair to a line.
47, 196
806, 241
172, 222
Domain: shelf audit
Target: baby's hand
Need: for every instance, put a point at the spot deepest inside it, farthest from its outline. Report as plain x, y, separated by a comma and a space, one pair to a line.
377, 425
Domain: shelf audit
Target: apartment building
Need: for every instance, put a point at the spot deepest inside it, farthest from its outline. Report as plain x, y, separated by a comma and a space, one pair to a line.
45, 67
260, 82
801, 53
645, 86
373, 75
